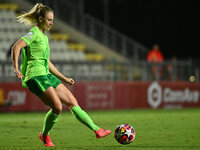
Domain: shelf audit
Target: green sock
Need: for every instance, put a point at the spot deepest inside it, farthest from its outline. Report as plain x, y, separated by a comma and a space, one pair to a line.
83, 117
49, 121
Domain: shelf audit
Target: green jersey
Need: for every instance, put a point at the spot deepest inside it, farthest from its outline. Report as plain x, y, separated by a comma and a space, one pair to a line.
35, 56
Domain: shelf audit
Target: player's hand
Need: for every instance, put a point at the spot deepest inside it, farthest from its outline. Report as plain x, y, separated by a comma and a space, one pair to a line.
18, 74
69, 81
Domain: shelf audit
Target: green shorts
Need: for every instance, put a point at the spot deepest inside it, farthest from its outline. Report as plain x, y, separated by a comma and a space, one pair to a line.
39, 84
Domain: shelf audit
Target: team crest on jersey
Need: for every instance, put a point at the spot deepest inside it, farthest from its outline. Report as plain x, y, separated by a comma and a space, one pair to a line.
29, 35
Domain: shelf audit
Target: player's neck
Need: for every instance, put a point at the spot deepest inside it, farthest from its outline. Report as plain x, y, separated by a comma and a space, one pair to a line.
41, 29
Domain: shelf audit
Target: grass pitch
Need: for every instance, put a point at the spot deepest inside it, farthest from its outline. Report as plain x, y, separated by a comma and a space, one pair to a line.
155, 130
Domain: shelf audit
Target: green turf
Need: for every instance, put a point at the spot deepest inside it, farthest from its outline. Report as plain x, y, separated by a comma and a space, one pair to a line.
155, 130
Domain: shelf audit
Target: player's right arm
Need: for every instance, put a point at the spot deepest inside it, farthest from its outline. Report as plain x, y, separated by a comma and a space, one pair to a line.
15, 56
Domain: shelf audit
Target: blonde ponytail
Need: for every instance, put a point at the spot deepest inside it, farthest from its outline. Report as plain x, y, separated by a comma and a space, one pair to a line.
31, 18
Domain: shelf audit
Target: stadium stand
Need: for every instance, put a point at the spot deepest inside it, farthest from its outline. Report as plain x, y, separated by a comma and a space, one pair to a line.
61, 47
80, 55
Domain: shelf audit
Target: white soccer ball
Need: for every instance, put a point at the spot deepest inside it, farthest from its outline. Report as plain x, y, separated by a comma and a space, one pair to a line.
124, 134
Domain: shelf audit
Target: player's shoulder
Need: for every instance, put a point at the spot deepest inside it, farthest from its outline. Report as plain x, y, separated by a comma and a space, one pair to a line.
31, 34
33, 30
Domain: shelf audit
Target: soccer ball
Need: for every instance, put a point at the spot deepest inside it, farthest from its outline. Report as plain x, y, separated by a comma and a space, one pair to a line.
124, 134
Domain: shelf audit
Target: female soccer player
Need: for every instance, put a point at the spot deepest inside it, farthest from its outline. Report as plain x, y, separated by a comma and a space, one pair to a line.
41, 76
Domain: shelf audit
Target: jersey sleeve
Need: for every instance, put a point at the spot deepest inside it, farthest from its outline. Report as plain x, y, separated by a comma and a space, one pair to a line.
29, 37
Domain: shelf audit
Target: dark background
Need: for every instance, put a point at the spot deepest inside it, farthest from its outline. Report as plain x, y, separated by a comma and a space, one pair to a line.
173, 24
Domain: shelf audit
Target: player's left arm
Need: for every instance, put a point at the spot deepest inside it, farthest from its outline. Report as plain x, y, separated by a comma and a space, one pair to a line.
59, 75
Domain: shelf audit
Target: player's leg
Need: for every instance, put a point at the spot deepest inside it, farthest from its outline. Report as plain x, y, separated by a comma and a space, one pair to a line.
69, 100
50, 98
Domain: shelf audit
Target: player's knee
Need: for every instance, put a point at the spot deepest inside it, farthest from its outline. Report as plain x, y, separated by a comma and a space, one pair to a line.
73, 103
57, 109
